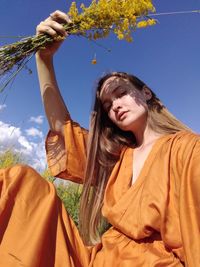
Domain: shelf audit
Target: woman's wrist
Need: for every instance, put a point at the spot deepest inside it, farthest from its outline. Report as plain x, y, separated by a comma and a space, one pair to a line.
44, 57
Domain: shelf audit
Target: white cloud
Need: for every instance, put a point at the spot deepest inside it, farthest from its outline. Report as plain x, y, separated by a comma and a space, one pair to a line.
34, 132
2, 107
39, 119
8, 133
25, 144
12, 137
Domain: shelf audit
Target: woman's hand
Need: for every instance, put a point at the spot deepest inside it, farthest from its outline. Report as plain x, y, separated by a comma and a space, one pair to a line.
52, 26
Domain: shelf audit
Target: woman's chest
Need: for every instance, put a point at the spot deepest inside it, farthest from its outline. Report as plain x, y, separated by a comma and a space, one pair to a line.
142, 208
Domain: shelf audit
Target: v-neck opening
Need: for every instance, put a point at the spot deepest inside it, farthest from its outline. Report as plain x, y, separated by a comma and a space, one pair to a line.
148, 161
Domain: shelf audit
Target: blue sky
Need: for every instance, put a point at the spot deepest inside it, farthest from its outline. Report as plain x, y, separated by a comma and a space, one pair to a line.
165, 56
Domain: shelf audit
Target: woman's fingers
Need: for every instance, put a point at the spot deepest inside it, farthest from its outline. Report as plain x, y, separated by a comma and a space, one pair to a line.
59, 15
52, 25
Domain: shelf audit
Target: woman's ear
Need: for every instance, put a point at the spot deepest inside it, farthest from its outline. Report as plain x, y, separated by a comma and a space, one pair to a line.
147, 93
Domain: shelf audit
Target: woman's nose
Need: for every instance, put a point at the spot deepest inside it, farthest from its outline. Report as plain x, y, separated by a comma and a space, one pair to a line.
116, 105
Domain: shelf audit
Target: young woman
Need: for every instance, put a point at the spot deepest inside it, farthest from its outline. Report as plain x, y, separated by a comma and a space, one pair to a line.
140, 170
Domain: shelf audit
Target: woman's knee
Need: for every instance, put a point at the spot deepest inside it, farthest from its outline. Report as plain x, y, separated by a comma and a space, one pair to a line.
24, 179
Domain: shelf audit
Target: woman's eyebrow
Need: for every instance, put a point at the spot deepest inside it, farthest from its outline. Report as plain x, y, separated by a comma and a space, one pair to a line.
112, 91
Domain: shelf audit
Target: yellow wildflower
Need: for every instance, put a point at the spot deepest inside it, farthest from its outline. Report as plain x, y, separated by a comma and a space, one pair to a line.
142, 24
94, 61
151, 22
104, 16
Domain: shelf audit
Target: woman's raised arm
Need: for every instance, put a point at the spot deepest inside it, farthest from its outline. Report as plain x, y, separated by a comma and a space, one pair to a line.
55, 108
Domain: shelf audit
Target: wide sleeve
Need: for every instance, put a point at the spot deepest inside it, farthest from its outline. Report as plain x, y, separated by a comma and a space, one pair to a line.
66, 156
189, 205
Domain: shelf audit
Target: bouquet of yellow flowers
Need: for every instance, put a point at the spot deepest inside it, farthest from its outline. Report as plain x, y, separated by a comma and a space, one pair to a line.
98, 20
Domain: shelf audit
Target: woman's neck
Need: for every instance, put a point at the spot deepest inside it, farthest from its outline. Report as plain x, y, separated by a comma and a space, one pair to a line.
145, 137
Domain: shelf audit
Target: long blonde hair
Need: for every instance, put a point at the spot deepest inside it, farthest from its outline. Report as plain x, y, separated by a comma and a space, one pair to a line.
105, 144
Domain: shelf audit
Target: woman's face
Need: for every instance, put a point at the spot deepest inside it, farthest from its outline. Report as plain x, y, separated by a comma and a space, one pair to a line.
125, 105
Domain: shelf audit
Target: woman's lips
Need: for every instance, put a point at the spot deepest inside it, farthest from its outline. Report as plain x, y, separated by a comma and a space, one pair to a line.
121, 115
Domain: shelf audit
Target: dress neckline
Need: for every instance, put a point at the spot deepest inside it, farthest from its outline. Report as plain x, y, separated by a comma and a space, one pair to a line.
147, 163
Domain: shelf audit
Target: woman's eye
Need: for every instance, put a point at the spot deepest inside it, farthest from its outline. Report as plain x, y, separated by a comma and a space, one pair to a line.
107, 107
122, 93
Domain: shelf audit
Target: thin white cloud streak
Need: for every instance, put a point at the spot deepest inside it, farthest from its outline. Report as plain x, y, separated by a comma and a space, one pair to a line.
34, 132
39, 119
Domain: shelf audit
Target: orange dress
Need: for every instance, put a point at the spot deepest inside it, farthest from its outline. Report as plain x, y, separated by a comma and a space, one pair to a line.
155, 222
